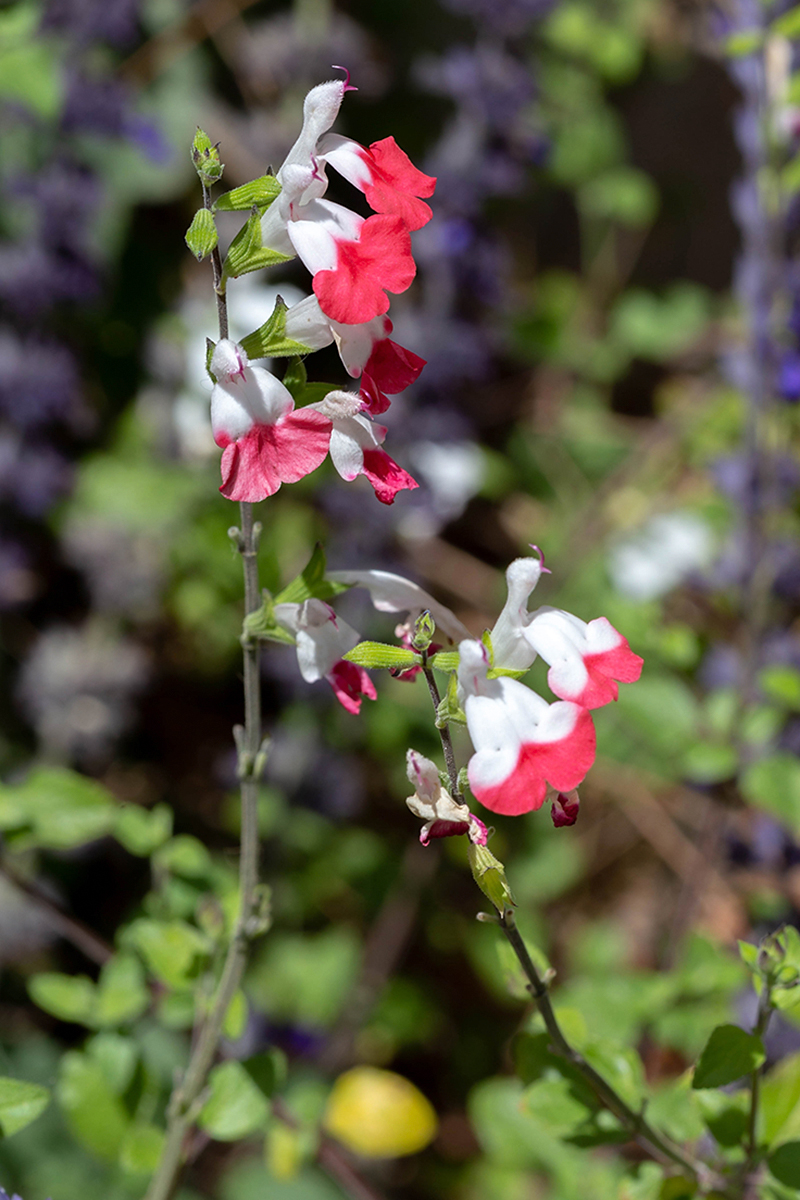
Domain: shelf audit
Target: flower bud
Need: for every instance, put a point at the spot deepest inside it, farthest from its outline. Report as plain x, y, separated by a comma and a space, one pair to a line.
424, 629
490, 876
205, 156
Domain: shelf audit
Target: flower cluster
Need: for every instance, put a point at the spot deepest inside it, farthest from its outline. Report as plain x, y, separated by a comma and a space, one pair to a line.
527, 751
354, 262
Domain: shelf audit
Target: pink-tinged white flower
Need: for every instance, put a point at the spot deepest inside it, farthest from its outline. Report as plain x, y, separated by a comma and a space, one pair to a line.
354, 261
393, 594
322, 641
432, 802
565, 806
356, 447
366, 350
521, 742
265, 442
586, 658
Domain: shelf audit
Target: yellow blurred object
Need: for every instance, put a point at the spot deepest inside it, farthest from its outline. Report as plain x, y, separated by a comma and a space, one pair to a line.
283, 1151
379, 1114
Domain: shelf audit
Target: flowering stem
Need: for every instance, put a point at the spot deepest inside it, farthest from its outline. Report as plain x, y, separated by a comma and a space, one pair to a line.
641, 1132
444, 734
187, 1097
219, 287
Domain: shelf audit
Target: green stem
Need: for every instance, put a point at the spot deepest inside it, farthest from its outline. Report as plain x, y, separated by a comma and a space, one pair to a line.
444, 735
187, 1094
641, 1132
751, 1146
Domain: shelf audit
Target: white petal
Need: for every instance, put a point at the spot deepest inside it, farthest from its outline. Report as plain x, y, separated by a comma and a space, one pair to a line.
322, 639
355, 342
317, 229
346, 157
228, 360
306, 323
351, 436
237, 404
497, 743
320, 109
394, 594
509, 647
423, 775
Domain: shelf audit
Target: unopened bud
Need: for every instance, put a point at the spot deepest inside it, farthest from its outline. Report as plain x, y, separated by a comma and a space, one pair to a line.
490, 876
201, 236
424, 629
205, 156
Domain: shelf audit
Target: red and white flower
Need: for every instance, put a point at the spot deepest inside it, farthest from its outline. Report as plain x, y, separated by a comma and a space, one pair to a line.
354, 261
432, 802
322, 641
265, 442
356, 447
521, 742
366, 350
586, 658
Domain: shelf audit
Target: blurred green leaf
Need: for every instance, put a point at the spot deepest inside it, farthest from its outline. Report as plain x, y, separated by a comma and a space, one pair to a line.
183, 855
781, 685
56, 809
659, 327
94, 1112
773, 784
710, 762
625, 194
784, 1163
236, 1108
171, 949
30, 70
20, 1103
725, 1114
117, 1056
142, 830
68, 997
122, 994
780, 1101
140, 1150
729, 1054
305, 978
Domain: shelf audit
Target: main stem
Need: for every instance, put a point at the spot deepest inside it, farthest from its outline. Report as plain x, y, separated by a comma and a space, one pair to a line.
186, 1096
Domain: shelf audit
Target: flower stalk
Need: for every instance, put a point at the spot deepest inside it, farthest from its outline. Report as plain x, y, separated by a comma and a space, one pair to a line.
187, 1096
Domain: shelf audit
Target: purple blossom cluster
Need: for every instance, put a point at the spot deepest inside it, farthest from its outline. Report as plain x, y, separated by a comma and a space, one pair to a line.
50, 263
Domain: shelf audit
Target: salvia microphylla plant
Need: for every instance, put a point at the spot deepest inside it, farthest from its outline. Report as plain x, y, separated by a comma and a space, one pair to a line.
527, 751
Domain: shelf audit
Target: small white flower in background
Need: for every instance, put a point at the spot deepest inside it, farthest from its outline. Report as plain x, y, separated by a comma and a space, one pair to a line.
453, 472
660, 555
436, 807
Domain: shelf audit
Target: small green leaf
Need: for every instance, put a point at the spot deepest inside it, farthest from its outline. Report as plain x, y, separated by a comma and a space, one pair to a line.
788, 24
747, 41
311, 583
201, 236
236, 1107
205, 156
94, 1112
270, 340
379, 654
295, 378
183, 855
445, 660
749, 955
142, 830
117, 1056
20, 1103
729, 1054
246, 252
784, 1163
171, 949
710, 762
780, 1101
267, 1071
68, 997
236, 1017
259, 193
122, 994
56, 809
725, 1115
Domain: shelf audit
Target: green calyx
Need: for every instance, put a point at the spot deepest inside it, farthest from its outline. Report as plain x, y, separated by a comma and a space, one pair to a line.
205, 156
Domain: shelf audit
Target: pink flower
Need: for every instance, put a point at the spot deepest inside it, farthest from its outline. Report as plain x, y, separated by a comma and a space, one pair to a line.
586, 659
322, 640
265, 443
521, 742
